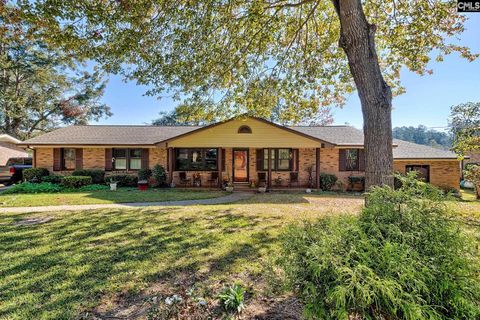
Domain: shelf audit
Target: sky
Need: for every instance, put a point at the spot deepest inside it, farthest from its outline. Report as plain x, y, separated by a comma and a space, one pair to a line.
427, 100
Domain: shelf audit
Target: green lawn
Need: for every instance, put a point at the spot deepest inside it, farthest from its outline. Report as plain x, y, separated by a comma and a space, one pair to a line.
122, 195
112, 262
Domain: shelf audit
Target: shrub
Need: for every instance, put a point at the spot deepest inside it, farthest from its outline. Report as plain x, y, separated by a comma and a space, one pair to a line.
52, 179
123, 180
98, 176
94, 187
144, 174
76, 181
327, 181
35, 174
159, 174
29, 187
232, 298
403, 258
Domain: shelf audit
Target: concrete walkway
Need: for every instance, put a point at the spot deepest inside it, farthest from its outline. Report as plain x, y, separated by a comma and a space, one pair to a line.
234, 197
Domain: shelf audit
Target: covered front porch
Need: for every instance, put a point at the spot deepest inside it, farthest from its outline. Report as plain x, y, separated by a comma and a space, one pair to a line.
244, 167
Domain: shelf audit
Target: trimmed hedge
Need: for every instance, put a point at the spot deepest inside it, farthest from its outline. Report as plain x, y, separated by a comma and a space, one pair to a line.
98, 176
76, 181
123, 180
327, 181
35, 174
52, 179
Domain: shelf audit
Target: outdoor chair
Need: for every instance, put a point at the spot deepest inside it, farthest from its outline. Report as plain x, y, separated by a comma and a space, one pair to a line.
213, 180
262, 178
184, 181
293, 179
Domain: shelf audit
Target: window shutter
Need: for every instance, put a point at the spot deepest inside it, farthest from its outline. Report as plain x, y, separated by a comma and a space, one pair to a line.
361, 159
145, 153
294, 162
108, 159
259, 154
342, 164
57, 159
223, 160
78, 158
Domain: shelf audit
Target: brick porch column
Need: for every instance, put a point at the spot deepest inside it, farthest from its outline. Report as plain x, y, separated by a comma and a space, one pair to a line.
220, 166
269, 168
171, 159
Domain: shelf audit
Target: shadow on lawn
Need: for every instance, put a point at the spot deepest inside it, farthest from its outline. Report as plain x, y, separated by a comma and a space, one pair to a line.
66, 266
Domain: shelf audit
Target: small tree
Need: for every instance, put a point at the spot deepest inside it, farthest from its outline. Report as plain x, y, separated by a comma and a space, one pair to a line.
473, 174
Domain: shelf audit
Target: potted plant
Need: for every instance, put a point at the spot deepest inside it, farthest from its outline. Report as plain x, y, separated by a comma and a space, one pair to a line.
278, 181
197, 179
113, 185
229, 187
142, 185
253, 183
262, 188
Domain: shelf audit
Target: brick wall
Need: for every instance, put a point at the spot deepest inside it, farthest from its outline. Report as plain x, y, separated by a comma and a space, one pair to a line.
329, 163
443, 173
94, 158
44, 158
157, 156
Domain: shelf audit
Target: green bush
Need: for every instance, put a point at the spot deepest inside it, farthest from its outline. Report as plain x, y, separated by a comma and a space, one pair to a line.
123, 180
144, 174
52, 179
98, 176
232, 298
403, 258
35, 174
76, 181
29, 187
327, 181
159, 174
94, 187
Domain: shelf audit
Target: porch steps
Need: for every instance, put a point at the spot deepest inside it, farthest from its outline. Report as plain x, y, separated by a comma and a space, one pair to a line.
242, 187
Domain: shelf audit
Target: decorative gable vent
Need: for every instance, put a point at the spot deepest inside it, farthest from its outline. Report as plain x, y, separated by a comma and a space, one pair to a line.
244, 129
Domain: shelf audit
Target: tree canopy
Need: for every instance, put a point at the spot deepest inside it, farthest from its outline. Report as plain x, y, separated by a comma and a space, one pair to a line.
465, 127
42, 87
423, 135
246, 56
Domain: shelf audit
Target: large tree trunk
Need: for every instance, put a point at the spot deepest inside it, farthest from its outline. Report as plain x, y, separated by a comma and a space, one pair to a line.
357, 39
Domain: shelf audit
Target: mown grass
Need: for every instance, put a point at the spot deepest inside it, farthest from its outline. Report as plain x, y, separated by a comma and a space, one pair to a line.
81, 261
78, 260
122, 195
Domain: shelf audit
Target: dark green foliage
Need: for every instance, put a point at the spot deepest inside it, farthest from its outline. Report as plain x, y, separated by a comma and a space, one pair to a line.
35, 174
232, 298
28, 187
52, 179
94, 187
76, 181
403, 258
144, 174
123, 180
98, 176
327, 181
159, 174
423, 135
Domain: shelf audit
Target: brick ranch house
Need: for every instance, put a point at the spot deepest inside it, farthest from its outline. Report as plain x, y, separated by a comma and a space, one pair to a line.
244, 149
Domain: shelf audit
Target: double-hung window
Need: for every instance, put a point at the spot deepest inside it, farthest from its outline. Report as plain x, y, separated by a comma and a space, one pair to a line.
127, 159
281, 159
68, 159
352, 163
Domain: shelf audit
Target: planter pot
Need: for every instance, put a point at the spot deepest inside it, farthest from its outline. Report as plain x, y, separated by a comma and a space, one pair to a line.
113, 186
143, 186
229, 189
358, 186
262, 189
308, 190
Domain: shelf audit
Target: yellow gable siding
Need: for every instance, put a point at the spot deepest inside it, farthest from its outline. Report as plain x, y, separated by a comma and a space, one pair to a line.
263, 135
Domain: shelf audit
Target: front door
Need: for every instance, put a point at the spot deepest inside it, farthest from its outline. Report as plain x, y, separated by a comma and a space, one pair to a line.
240, 165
